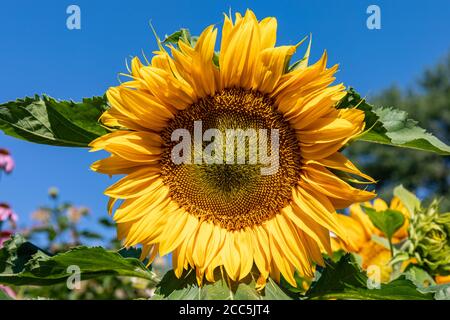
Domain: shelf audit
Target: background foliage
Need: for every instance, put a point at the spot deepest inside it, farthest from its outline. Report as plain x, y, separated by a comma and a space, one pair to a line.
427, 174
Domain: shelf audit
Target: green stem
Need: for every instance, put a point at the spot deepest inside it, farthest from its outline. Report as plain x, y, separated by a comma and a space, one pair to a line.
391, 247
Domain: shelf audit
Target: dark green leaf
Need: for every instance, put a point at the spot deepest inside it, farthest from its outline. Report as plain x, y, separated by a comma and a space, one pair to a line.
345, 280
15, 253
387, 221
337, 276
90, 234
299, 289
130, 252
354, 100
48, 121
107, 222
22, 263
186, 288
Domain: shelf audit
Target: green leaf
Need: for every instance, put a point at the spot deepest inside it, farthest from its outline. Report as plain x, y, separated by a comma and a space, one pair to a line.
354, 100
106, 222
130, 252
48, 121
440, 292
419, 276
391, 126
299, 289
408, 199
22, 263
382, 241
182, 34
15, 253
303, 62
216, 59
186, 288
345, 280
405, 132
387, 221
90, 235
48, 229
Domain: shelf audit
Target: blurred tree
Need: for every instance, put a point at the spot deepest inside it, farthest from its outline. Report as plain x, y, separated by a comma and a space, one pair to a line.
427, 174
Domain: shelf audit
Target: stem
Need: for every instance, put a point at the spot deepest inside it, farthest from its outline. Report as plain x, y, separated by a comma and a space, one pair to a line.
55, 216
75, 236
391, 247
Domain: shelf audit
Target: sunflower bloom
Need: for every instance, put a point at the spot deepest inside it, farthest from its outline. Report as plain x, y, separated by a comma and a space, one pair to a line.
230, 216
442, 279
360, 230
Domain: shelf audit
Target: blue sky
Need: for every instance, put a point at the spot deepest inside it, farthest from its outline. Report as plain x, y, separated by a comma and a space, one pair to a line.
40, 55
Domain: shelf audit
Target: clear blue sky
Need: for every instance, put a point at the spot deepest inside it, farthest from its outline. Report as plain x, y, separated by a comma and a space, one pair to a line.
40, 55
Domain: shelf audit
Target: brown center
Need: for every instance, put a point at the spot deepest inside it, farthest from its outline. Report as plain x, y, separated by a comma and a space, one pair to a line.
232, 195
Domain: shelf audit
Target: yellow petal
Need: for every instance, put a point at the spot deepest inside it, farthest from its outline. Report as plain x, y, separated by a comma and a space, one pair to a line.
138, 183
135, 208
340, 162
196, 64
132, 146
308, 225
115, 165
318, 207
179, 226
244, 246
172, 92
240, 46
231, 257
356, 234
270, 66
340, 193
260, 257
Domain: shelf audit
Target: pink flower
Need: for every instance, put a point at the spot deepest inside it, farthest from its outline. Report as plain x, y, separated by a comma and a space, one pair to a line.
7, 214
75, 213
8, 291
4, 236
6, 161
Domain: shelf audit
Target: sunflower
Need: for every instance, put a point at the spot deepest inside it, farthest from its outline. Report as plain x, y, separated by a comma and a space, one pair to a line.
230, 216
442, 279
361, 230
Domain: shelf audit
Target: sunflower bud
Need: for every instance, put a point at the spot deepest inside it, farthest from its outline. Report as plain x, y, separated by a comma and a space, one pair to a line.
430, 237
53, 192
